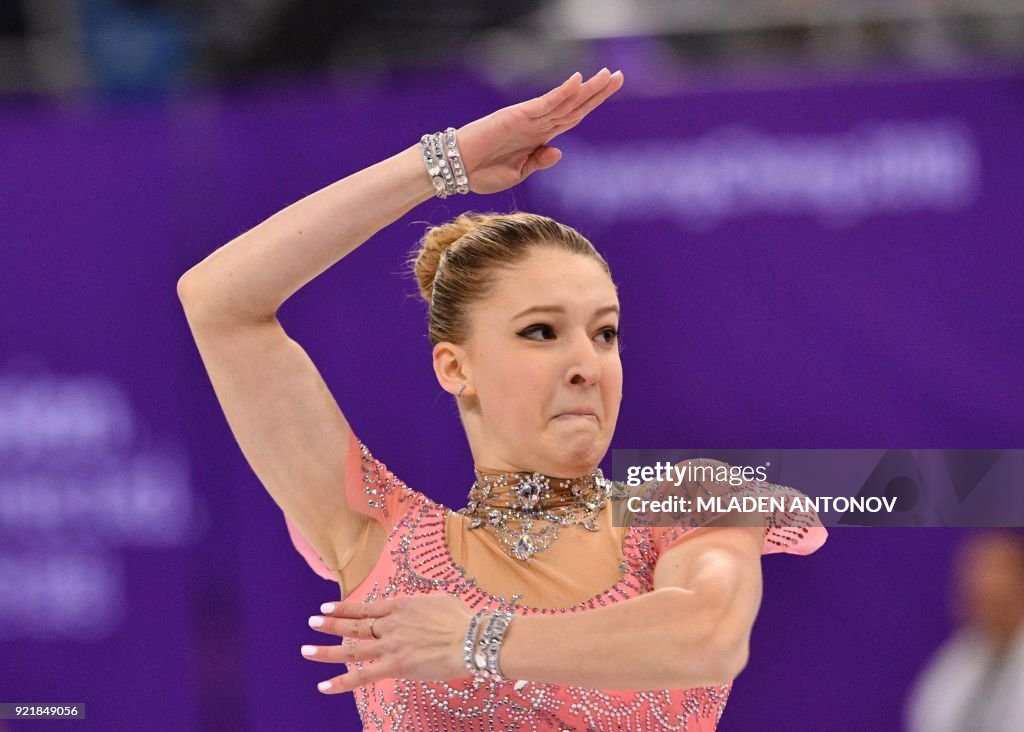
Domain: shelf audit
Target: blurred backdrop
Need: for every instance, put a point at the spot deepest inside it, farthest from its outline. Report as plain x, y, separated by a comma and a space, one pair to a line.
813, 211
55, 46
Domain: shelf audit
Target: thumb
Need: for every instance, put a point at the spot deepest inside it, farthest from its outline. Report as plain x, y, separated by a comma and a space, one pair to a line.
541, 158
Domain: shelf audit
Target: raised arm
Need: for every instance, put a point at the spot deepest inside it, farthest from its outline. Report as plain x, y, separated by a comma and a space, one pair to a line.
281, 412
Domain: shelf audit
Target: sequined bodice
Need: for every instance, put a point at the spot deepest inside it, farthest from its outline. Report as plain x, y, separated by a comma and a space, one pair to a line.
416, 561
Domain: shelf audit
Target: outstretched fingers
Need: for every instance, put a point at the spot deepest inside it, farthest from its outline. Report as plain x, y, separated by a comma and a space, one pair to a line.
364, 650
358, 677
375, 609
571, 103
351, 618
367, 660
546, 103
604, 87
582, 92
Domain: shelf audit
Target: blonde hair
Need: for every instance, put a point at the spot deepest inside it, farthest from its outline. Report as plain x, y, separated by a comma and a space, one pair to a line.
455, 263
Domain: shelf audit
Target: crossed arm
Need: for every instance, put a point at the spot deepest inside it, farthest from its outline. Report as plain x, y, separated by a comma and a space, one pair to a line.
692, 630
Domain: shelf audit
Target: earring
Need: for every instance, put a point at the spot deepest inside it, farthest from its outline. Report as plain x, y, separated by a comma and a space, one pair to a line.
458, 392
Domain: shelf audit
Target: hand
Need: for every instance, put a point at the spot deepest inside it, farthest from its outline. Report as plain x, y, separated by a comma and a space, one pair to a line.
417, 638
505, 147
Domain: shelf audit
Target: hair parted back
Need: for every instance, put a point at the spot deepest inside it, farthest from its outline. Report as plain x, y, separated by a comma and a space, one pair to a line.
455, 263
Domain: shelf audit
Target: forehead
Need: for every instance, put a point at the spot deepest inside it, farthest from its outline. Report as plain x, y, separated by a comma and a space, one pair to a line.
553, 277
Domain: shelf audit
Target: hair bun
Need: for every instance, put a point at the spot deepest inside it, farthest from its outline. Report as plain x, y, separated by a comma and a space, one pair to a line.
436, 240
457, 264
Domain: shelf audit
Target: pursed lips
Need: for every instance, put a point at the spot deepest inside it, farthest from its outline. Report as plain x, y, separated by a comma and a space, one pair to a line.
579, 414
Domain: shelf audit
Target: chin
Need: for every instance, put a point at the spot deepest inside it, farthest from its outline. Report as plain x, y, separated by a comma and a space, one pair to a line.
581, 455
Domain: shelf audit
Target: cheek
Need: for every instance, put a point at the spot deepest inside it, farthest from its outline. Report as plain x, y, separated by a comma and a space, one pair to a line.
523, 381
518, 391
613, 383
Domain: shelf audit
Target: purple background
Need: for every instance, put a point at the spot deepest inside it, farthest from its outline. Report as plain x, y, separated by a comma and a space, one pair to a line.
753, 328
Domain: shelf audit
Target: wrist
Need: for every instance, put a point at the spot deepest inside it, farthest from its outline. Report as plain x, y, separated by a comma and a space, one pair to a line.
481, 648
419, 180
468, 646
442, 161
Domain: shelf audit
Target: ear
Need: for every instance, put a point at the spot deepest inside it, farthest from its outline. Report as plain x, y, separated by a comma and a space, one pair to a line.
450, 367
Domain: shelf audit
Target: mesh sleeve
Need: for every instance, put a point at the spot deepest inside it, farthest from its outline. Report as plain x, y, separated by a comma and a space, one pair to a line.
371, 489
791, 527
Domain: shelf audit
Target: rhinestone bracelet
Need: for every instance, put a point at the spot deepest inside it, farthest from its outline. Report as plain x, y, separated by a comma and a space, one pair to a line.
496, 638
434, 166
480, 655
446, 169
444, 163
489, 645
467, 647
455, 160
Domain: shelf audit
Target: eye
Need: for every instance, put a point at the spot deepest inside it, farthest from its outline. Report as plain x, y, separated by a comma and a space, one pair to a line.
535, 328
610, 334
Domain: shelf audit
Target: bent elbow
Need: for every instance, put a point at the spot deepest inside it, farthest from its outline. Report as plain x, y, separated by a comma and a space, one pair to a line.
194, 297
726, 660
185, 288
715, 643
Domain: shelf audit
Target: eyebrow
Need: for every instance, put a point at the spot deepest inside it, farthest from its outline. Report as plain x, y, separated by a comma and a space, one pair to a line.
560, 309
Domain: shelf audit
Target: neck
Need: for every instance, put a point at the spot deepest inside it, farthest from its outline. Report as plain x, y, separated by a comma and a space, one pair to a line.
534, 492
510, 502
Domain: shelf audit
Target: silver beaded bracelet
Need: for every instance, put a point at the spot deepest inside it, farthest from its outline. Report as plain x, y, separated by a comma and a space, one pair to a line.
446, 168
455, 160
489, 645
444, 163
470, 642
433, 166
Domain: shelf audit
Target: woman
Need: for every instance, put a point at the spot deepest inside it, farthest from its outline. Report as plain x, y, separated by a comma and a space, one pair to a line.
528, 609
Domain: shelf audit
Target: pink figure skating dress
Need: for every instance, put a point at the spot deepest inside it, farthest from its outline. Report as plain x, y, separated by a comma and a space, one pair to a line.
429, 549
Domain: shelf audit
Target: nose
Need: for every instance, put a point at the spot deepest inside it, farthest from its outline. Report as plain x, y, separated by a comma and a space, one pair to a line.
585, 362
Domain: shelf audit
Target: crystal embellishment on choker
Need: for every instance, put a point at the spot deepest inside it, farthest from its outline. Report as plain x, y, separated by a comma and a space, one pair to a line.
511, 503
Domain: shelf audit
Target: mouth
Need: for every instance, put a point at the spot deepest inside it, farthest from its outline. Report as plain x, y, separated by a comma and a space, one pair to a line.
578, 415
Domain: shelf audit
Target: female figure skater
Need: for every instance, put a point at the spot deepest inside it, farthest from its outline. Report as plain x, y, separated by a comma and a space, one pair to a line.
528, 609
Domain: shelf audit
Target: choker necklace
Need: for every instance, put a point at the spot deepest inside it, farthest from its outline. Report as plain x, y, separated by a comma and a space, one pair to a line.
510, 503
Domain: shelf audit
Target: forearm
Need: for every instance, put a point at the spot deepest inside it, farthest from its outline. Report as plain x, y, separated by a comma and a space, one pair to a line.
252, 275
659, 640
